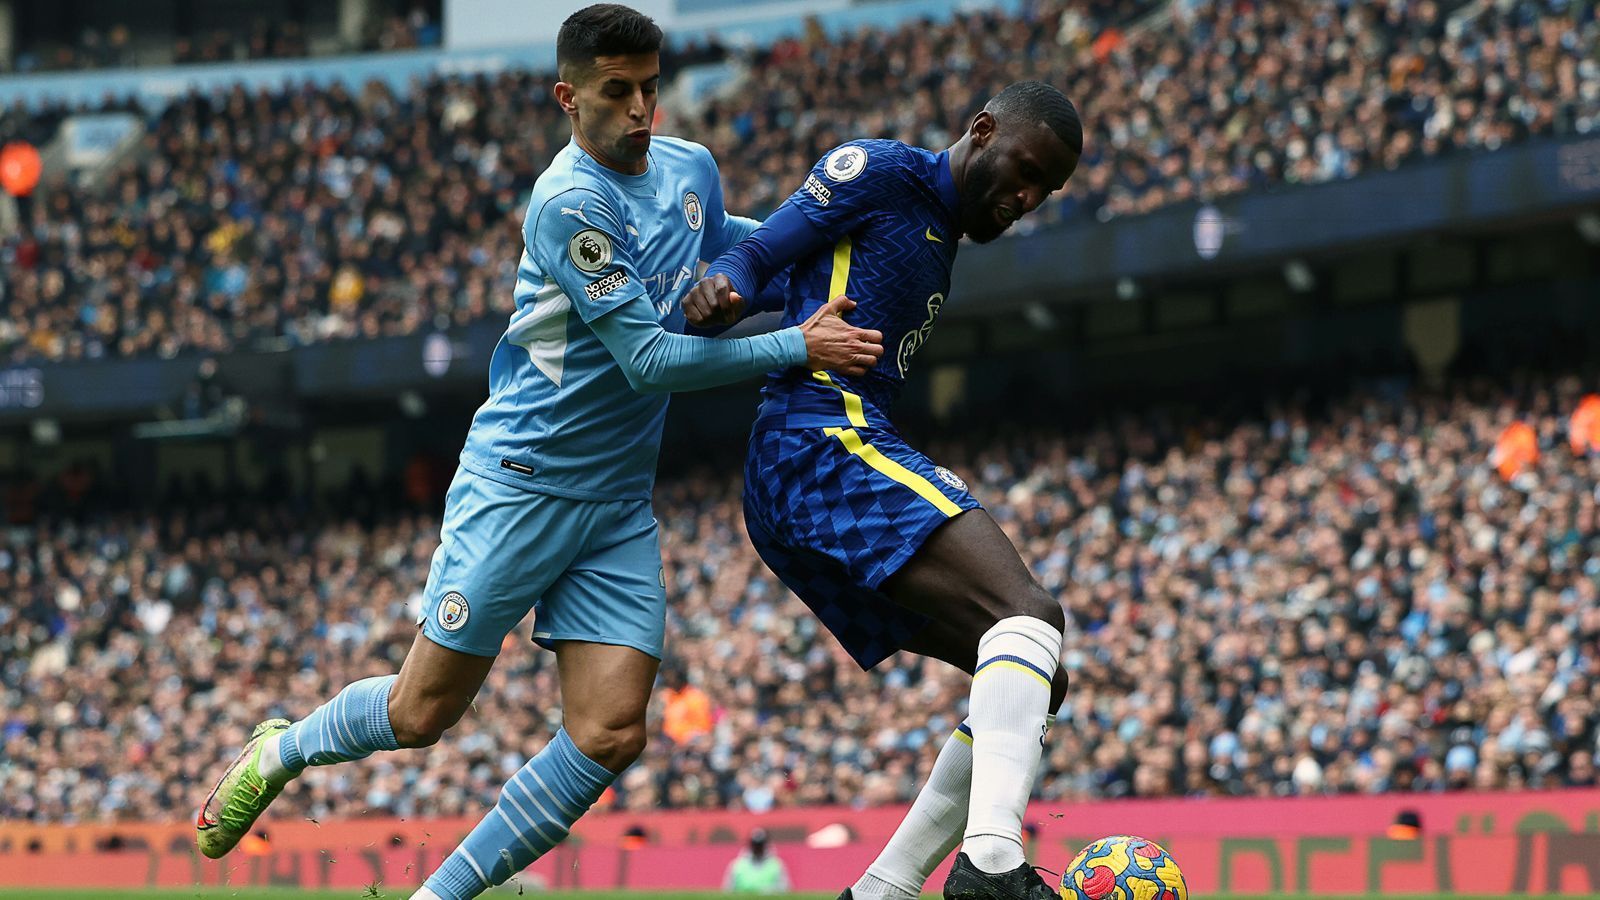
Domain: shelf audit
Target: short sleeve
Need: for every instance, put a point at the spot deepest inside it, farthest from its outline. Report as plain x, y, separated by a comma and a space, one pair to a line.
577, 240
853, 181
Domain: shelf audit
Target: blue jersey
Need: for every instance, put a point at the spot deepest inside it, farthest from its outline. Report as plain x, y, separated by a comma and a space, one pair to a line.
561, 417
888, 213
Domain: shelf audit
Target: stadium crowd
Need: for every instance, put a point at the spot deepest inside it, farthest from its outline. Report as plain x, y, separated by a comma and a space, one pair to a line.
116, 46
1339, 599
301, 215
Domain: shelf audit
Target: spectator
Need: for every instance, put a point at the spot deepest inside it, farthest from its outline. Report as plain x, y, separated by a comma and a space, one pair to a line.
1342, 601
756, 870
686, 712
293, 216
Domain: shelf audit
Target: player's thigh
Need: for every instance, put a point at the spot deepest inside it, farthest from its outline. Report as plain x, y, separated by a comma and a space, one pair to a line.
612, 592
500, 549
969, 575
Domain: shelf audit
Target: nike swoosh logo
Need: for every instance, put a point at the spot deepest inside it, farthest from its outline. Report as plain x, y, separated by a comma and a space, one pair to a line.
932, 237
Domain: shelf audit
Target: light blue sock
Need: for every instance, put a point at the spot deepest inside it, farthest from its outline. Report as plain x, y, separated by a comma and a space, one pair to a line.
535, 809
352, 725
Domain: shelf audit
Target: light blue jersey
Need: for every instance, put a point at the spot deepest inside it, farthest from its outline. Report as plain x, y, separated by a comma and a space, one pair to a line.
561, 417
551, 507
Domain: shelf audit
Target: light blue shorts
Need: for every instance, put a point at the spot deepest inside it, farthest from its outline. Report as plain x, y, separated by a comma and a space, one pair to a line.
591, 570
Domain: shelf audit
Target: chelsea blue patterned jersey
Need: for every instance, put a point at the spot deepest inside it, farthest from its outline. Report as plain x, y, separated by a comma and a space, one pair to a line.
561, 417
889, 210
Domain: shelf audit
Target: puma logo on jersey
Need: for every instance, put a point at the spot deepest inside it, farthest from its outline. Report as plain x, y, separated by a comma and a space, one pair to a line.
569, 211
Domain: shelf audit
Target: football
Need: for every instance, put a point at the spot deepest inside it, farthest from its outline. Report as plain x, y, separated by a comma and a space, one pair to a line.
1123, 868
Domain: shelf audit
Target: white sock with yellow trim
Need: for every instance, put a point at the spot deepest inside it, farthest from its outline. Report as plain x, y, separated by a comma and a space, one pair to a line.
1007, 714
930, 830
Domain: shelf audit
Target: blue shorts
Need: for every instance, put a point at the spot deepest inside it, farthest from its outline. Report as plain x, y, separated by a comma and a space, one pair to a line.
590, 570
834, 512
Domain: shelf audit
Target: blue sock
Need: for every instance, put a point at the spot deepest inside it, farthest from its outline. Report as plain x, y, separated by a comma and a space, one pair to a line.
352, 725
535, 809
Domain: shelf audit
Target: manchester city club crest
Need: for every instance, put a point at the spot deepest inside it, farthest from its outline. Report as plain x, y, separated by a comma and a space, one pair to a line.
453, 612
692, 211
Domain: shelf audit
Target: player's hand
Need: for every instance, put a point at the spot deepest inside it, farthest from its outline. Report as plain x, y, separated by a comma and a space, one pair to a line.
712, 301
834, 345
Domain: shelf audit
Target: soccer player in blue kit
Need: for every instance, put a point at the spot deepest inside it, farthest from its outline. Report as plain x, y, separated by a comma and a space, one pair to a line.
550, 508
890, 550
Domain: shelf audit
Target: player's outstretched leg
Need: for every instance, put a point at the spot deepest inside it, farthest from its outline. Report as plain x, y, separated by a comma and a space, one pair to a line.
604, 692
434, 688
969, 575
930, 830
938, 818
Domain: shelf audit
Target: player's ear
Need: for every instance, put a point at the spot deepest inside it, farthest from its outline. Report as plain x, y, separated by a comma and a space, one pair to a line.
982, 127
566, 96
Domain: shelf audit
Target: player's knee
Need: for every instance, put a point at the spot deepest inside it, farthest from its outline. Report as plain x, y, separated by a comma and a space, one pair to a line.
615, 747
1034, 603
420, 726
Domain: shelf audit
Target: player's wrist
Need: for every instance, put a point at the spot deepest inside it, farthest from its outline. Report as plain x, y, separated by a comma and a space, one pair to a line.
794, 345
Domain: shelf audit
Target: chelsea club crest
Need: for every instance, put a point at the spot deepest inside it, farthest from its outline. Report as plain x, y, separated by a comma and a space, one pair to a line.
692, 211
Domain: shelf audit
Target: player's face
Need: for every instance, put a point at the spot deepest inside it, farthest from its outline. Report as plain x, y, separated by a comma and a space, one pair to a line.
612, 105
1011, 174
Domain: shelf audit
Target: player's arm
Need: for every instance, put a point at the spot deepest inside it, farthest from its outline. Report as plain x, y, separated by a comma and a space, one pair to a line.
837, 196
756, 266
578, 243
723, 232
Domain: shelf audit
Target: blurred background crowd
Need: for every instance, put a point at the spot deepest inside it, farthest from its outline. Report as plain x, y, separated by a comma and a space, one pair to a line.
292, 216
1367, 594
265, 37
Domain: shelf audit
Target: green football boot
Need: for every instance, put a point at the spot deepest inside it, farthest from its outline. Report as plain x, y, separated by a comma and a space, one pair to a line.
239, 798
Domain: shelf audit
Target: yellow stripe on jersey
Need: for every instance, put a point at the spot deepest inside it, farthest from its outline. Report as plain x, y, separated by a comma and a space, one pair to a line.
840, 281
841, 268
870, 455
853, 409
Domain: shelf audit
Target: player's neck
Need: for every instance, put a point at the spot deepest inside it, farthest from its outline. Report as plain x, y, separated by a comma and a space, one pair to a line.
639, 167
959, 154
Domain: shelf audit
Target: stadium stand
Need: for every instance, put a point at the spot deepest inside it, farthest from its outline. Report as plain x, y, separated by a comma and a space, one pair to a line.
1312, 599
277, 219
117, 47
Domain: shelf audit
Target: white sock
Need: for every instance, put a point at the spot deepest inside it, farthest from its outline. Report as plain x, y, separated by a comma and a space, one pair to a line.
424, 894
272, 761
930, 830
1010, 699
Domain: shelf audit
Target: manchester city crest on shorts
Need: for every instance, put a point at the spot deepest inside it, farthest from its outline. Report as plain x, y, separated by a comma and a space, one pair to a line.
590, 250
692, 211
950, 478
845, 163
453, 612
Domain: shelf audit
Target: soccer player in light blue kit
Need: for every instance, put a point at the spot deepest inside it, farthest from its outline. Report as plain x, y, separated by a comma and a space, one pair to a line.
550, 508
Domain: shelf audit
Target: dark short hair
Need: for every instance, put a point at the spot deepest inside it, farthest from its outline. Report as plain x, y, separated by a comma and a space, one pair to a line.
1036, 101
604, 29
